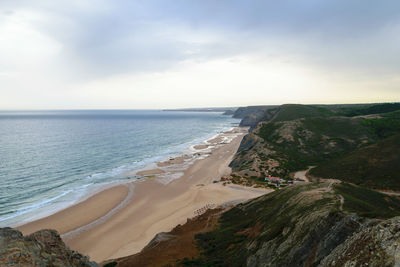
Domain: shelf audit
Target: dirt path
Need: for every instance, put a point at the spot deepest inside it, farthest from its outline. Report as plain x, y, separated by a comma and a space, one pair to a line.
303, 174
390, 193
341, 202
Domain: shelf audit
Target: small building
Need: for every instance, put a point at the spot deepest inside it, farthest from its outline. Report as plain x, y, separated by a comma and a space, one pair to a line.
273, 179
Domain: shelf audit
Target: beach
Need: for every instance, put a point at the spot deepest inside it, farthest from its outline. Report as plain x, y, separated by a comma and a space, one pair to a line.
121, 220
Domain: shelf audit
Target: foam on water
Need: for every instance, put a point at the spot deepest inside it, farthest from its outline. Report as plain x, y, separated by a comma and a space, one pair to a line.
61, 158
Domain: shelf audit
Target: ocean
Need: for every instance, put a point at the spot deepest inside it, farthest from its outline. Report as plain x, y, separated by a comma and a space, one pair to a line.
52, 159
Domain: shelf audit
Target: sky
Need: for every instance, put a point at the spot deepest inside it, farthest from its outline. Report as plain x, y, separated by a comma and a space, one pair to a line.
152, 54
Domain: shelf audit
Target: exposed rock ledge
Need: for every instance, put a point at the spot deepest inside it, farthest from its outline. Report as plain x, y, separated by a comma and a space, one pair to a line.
42, 248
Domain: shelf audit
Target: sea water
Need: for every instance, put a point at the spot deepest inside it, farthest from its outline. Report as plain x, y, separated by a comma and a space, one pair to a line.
52, 159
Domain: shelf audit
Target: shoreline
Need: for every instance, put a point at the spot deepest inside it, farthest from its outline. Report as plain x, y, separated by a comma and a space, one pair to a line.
120, 229
77, 214
70, 198
143, 173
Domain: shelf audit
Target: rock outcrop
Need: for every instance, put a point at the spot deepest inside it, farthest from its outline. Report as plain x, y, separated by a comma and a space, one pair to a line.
296, 226
377, 245
42, 248
254, 114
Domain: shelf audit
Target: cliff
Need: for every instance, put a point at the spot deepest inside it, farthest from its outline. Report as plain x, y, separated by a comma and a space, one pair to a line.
299, 226
42, 248
316, 224
299, 136
252, 115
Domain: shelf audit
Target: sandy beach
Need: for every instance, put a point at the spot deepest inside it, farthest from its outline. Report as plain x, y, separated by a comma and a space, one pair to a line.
116, 223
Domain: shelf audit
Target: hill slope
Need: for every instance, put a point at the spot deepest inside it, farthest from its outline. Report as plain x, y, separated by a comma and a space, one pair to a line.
375, 166
295, 111
303, 225
369, 109
299, 136
278, 148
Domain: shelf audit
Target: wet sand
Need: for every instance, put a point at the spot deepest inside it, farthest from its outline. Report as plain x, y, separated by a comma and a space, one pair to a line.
201, 146
80, 214
150, 172
171, 161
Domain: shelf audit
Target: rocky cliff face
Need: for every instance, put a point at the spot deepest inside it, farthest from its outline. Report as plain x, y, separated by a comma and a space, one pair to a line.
377, 245
296, 226
308, 226
254, 114
42, 248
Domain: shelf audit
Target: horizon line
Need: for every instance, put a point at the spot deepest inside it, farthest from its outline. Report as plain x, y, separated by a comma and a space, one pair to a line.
194, 108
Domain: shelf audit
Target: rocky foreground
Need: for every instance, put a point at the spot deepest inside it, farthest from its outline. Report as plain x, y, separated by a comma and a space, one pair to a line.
42, 248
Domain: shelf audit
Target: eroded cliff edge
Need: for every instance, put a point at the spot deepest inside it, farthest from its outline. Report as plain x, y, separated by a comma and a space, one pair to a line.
42, 248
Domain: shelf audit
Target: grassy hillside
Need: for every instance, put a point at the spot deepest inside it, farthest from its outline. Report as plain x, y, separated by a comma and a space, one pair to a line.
394, 114
286, 146
371, 109
288, 143
294, 111
368, 203
375, 166
383, 127
296, 226
313, 140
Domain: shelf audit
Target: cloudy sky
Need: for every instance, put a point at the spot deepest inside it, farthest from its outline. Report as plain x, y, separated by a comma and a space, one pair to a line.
186, 53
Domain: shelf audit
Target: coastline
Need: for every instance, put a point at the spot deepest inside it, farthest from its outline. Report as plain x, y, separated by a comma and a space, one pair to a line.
103, 228
49, 184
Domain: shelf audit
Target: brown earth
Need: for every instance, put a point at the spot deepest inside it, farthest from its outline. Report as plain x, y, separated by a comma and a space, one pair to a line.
166, 249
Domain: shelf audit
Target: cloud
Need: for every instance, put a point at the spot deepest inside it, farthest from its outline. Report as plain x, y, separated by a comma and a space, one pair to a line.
56, 46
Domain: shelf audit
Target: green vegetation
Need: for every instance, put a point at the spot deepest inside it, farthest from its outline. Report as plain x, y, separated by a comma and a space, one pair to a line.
285, 226
267, 130
261, 220
257, 181
368, 203
394, 114
293, 111
383, 127
335, 127
300, 136
110, 264
312, 141
371, 109
376, 166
